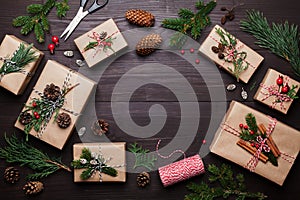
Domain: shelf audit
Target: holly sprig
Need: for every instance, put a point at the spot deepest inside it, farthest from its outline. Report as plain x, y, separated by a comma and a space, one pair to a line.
37, 20
142, 157
92, 163
222, 184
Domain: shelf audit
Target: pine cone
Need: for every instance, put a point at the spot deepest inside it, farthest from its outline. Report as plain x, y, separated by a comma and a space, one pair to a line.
100, 127
143, 179
63, 120
52, 92
33, 187
25, 118
11, 175
140, 17
148, 44
103, 35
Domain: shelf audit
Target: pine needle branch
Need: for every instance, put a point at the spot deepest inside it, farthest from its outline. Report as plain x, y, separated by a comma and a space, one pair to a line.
37, 20
24, 154
282, 39
142, 157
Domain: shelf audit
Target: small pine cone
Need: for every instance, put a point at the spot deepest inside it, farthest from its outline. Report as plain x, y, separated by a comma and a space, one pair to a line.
25, 118
11, 175
100, 127
143, 179
52, 92
103, 35
148, 44
140, 17
33, 187
63, 120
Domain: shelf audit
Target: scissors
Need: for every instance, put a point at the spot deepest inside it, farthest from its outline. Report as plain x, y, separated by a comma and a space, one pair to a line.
82, 14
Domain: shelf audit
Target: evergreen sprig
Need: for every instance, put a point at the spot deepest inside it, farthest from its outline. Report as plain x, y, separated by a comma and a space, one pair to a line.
142, 157
21, 57
18, 151
190, 22
282, 39
229, 186
37, 20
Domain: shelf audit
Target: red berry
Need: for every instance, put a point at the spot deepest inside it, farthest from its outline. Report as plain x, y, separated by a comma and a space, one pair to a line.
35, 113
34, 104
252, 144
285, 89
246, 127
182, 51
197, 61
192, 50
251, 132
55, 40
257, 145
37, 116
241, 125
108, 44
51, 48
279, 80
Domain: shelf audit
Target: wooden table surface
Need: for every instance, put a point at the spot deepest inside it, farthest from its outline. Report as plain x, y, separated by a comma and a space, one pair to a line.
60, 185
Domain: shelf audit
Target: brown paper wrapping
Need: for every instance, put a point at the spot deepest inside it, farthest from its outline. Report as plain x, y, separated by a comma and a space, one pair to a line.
252, 57
286, 138
116, 151
93, 57
75, 100
17, 82
270, 79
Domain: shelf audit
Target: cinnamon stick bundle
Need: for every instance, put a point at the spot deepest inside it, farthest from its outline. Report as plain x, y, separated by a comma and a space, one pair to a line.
270, 141
245, 145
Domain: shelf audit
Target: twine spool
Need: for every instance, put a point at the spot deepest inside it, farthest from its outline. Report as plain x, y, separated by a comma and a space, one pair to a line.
180, 170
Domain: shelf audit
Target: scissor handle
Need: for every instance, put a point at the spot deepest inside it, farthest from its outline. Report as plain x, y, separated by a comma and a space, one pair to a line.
83, 3
97, 6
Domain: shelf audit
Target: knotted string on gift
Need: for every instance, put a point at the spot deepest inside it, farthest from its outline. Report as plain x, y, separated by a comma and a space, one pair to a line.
274, 90
251, 165
180, 170
54, 106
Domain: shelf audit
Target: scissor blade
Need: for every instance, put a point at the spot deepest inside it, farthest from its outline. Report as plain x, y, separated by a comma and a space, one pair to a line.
80, 10
76, 22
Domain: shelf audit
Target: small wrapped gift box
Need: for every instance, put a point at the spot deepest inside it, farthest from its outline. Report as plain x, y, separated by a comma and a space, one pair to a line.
89, 156
101, 42
277, 91
55, 104
16, 82
235, 57
256, 155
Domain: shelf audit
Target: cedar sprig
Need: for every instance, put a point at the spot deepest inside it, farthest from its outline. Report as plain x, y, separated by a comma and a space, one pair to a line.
85, 163
282, 39
37, 20
222, 184
190, 22
18, 151
21, 57
142, 157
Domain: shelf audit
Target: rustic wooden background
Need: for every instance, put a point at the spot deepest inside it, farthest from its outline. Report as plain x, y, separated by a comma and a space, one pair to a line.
60, 185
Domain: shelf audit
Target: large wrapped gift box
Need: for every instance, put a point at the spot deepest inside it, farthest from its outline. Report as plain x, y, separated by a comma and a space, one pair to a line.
114, 153
103, 41
269, 92
253, 58
286, 138
73, 104
17, 82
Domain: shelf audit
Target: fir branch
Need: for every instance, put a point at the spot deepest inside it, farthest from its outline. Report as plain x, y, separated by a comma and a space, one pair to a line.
230, 185
37, 18
251, 122
21, 152
142, 157
282, 39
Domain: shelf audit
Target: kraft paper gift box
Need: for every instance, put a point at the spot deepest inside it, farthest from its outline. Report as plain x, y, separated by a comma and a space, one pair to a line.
286, 138
16, 82
115, 151
267, 91
73, 104
102, 33
253, 58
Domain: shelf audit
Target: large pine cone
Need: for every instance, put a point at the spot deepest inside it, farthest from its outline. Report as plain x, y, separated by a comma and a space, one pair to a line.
33, 187
148, 44
11, 175
63, 120
52, 92
140, 17
143, 179
25, 118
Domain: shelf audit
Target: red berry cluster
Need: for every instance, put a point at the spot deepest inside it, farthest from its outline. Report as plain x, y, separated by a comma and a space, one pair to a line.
283, 88
51, 46
35, 114
251, 132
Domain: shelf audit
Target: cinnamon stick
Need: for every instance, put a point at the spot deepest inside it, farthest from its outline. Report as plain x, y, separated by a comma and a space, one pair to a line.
252, 150
270, 141
274, 145
262, 129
